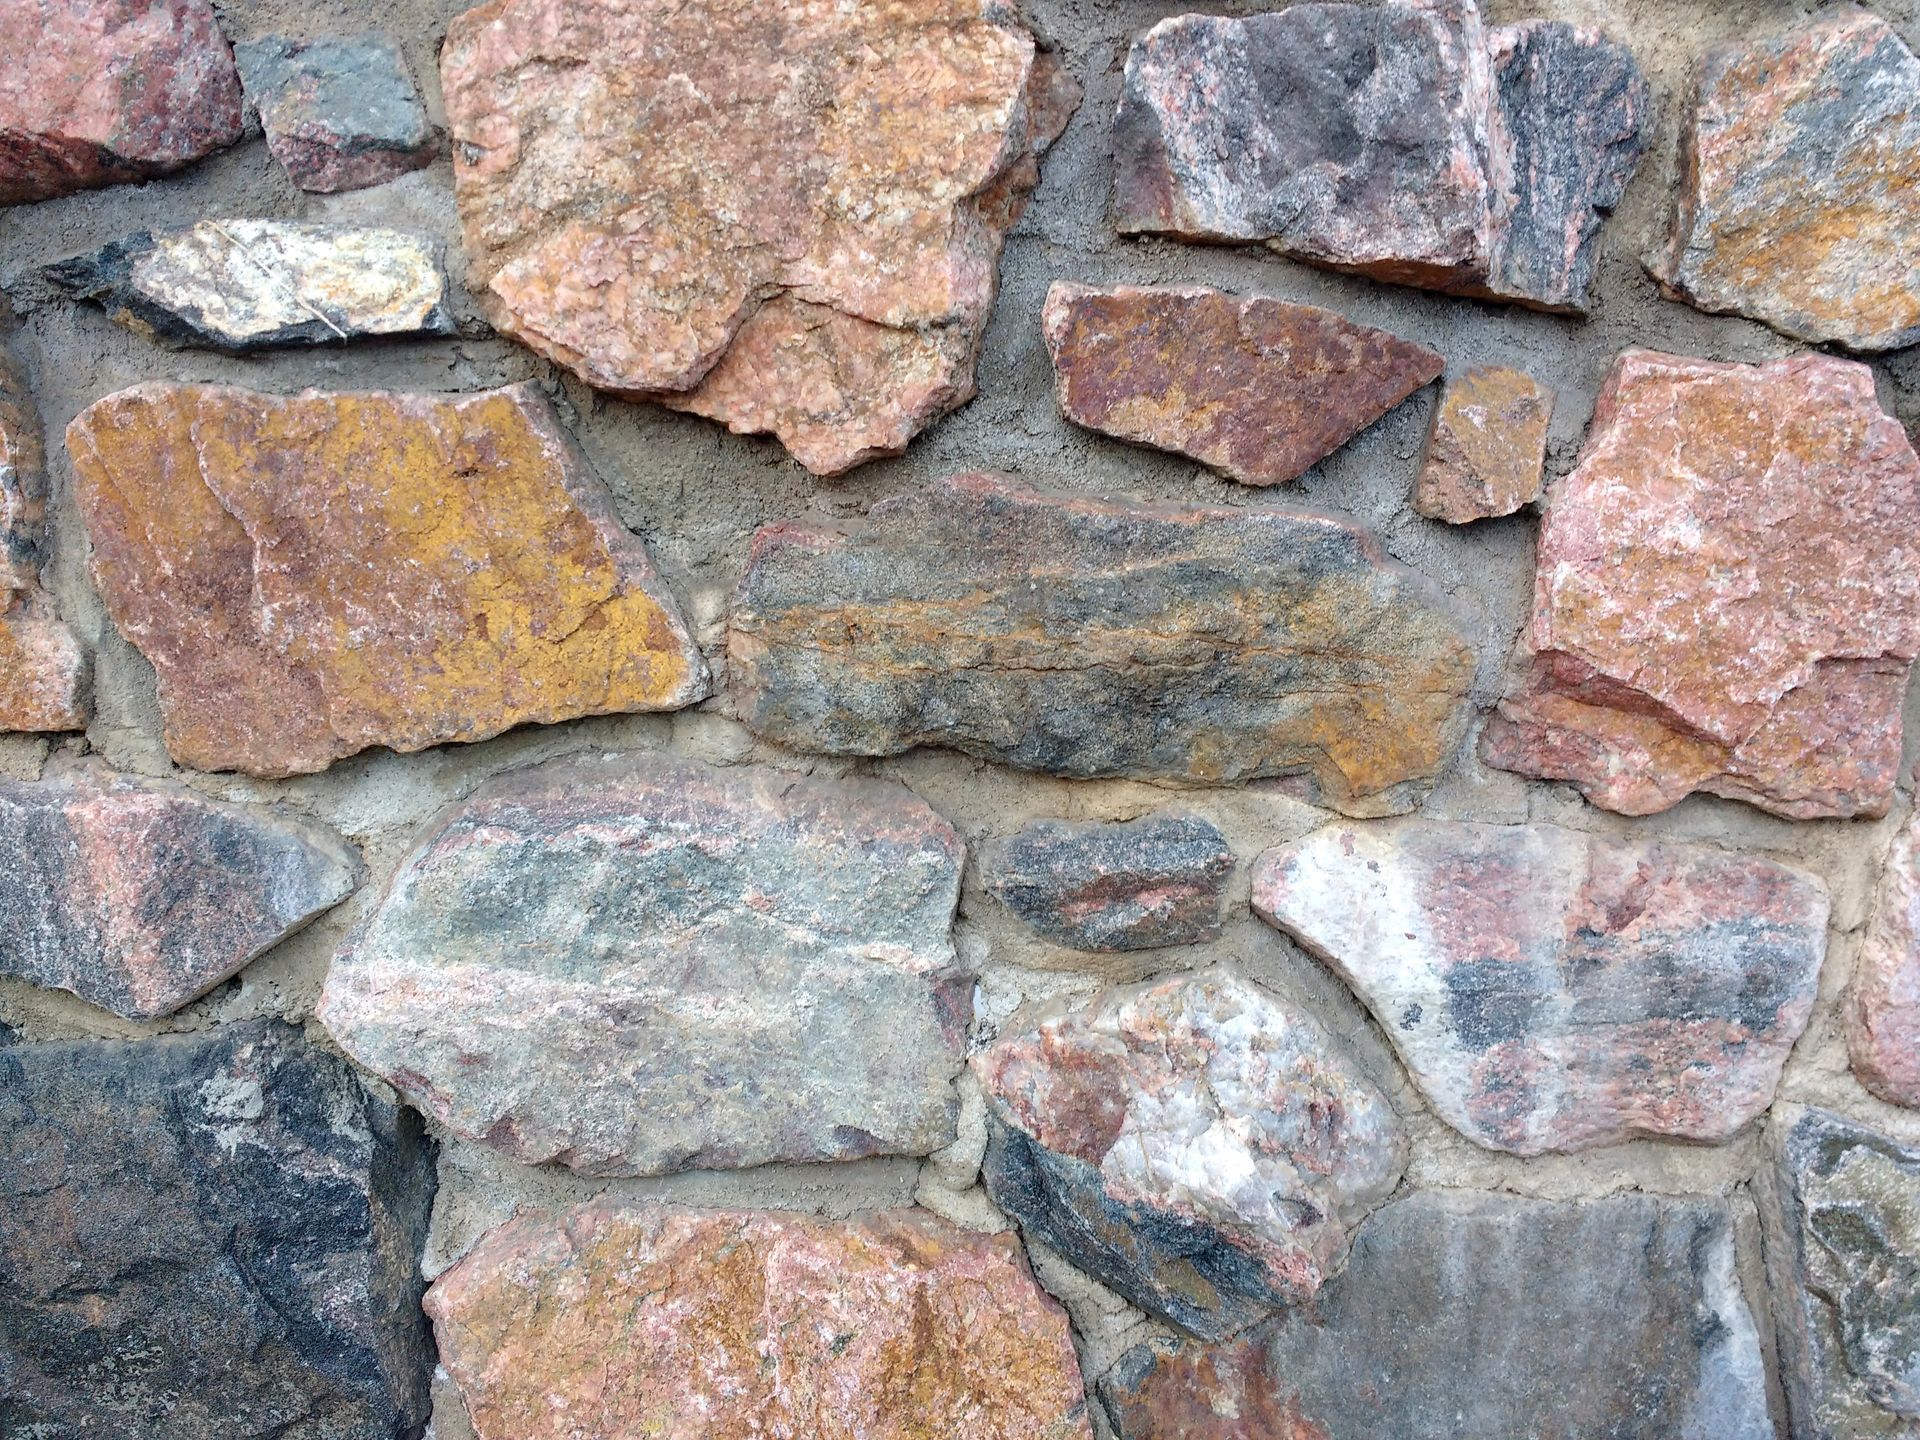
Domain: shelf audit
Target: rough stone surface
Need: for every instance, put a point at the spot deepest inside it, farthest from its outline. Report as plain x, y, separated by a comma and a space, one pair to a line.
1488, 448
1842, 1215
1086, 637
103, 91
1796, 189
340, 113
786, 218
1197, 1145
317, 573
640, 1321
1883, 1005
1483, 1315
207, 1236
242, 285
1136, 885
1402, 141
43, 670
1257, 388
636, 967
1723, 600
139, 895
1553, 991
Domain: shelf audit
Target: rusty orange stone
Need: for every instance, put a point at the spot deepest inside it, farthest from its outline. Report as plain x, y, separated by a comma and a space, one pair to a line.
318, 573
43, 670
1488, 447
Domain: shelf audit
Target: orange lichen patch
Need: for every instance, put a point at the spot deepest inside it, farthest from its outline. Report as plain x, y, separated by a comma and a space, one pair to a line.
314, 574
1487, 448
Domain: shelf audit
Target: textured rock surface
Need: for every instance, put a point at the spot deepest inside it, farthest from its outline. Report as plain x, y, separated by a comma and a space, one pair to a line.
205, 1236
786, 218
642, 966
1883, 1005
1550, 990
1722, 601
1842, 1216
1486, 453
43, 670
240, 285
139, 895
1257, 388
1402, 142
1159, 880
1194, 1143
1483, 1315
340, 113
110, 90
317, 573
1796, 192
1085, 638
889, 1326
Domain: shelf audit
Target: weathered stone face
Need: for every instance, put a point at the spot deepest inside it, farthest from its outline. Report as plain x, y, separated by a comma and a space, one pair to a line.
317, 573
889, 1326
1883, 1004
1485, 1315
1842, 1215
43, 670
1486, 453
786, 218
1720, 602
641, 966
1136, 885
1257, 388
1796, 188
1089, 638
340, 113
244, 285
209, 1235
104, 91
1401, 141
1197, 1145
1553, 991
139, 895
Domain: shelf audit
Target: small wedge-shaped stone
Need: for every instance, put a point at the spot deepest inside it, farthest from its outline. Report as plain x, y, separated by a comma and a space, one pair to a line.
139, 895
1088, 637
43, 670
241, 285
1195, 1143
1722, 599
641, 966
1797, 185
1259, 389
1488, 446
1554, 991
721, 1323
313, 574
1883, 1003
340, 112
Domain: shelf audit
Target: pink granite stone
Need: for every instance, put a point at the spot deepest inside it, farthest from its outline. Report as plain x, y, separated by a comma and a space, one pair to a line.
1883, 1006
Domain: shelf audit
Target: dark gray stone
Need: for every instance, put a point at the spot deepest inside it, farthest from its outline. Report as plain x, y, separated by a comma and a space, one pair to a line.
340, 113
212, 1236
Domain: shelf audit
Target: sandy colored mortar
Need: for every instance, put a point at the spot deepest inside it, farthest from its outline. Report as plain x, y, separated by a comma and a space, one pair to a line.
696, 493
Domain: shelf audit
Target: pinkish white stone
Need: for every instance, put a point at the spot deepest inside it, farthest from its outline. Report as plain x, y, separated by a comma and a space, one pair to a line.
1883, 1007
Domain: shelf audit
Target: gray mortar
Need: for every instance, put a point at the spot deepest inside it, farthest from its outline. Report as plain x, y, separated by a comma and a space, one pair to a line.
696, 493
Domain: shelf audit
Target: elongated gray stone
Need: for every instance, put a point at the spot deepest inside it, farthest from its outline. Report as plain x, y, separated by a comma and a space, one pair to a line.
637, 966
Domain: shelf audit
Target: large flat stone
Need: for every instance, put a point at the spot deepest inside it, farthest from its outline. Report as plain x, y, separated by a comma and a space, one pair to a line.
139, 895
1464, 1314
787, 218
43, 670
1883, 1003
1087, 637
313, 574
340, 112
640, 1321
1796, 189
1721, 602
640, 966
1195, 1143
1841, 1206
1553, 991
207, 1236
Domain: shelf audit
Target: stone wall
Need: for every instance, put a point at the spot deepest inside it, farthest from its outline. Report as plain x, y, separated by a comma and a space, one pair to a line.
735, 911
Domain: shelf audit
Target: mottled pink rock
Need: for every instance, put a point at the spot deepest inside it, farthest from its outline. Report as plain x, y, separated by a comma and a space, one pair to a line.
1883, 1006
1554, 991
1727, 596
96, 92
635, 1321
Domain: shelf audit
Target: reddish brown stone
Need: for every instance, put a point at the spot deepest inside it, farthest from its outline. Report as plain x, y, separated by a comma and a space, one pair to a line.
1257, 388
43, 670
1724, 598
640, 1321
97, 92
1883, 1006
1488, 446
